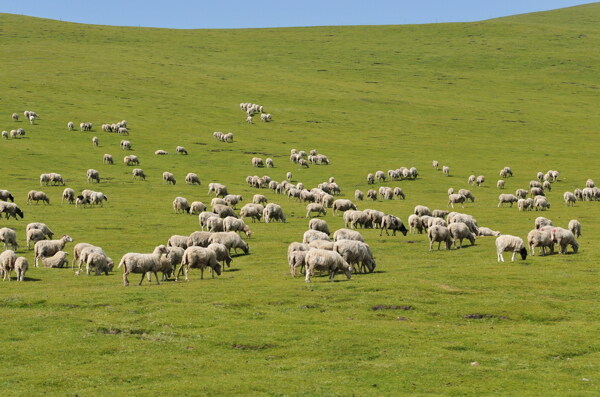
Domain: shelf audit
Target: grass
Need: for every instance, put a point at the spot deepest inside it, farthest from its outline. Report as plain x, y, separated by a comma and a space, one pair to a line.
518, 91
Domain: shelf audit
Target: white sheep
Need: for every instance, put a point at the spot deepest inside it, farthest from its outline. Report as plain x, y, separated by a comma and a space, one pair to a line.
197, 207
46, 248
435, 164
314, 207
138, 173
500, 184
95, 141
233, 199
324, 260
199, 239
222, 254
270, 163
343, 205
21, 266
319, 225
456, 198
487, 232
507, 198
357, 254
107, 159
421, 210
192, 179
37, 196
439, 234
467, 193
414, 224
569, 198
7, 263
58, 260
575, 227
312, 235
254, 211
161, 152
10, 209
273, 212
9, 237
199, 258
521, 193
506, 242
446, 170
541, 203
347, 234
71, 126
564, 238
230, 240
34, 235
393, 223
460, 231
125, 144
296, 259
131, 159
168, 178
142, 263
93, 175
180, 205
232, 224
99, 262
181, 150
257, 162
540, 238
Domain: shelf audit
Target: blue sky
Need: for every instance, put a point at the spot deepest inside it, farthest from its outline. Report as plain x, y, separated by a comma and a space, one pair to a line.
197, 14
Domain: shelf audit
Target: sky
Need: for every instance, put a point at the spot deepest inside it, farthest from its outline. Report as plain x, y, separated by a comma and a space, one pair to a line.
222, 14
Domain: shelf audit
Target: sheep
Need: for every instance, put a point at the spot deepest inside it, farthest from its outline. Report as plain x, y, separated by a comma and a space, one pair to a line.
506, 242
357, 254
220, 190
259, 199
480, 179
296, 260
564, 237
138, 173
432, 221
372, 194
254, 211
71, 126
217, 201
229, 240
199, 239
270, 163
180, 205
180, 150
541, 203
456, 198
414, 224
46, 232
314, 207
257, 162
34, 235
21, 266
131, 159
347, 234
123, 131
273, 212
500, 184
192, 179
97, 198
107, 159
486, 231
223, 211
5, 134
319, 225
342, 205
5, 195
540, 238
353, 218
15, 117
196, 207
439, 234
7, 263
161, 152
83, 251
168, 178
10, 209
125, 144
95, 141
214, 224
231, 224
228, 137
525, 204
311, 235
521, 193
232, 199
324, 260
588, 194
265, 117
590, 183
93, 175
439, 213
142, 263
507, 198
303, 163
575, 227
471, 179
288, 176
370, 179
58, 260
460, 231
37, 196
221, 253
46, 248
569, 199
249, 120
398, 192
466, 219
9, 237
435, 164
380, 176
421, 210
392, 223
99, 262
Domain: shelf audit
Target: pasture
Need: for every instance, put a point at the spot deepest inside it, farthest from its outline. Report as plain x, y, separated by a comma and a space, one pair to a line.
519, 91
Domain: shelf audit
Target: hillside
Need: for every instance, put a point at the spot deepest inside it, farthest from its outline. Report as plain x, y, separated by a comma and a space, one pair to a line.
520, 91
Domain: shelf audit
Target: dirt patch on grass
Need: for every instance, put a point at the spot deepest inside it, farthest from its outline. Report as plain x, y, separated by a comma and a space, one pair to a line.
392, 307
243, 346
479, 316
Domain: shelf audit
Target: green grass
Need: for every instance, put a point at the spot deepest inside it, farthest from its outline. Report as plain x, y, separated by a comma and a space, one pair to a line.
519, 91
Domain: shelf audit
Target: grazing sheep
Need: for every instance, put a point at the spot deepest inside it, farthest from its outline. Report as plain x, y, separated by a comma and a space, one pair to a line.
414, 224
21, 266
229, 240
181, 150
273, 212
399, 193
199, 239
5, 134
590, 183
71, 126
466, 219
507, 198
359, 195
197, 207
480, 179
372, 194
540, 222
380, 176
68, 195
223, 211
342, 205
509, 243
58, 260
525, 204
214, 224
7, 263
319, 225
138, 173
231, 224
10, 209
257, 162
259, 199
232, 199
439, 234
575, 227
254, 211
296, 260
288, 176
370, 179
421, 210
131, 159
5, 195
439, 213
432, 221
540, 238
456, 198
564, 238
34, 235
37, 196
347, 234
541, 203
435, 164
46, 248
324, 260
99, 262
9, 237
192, 179
222, 254
180, 205
15, 117
249, 120
357, 254
270, 163
95, 141
107, 159
93, 175
161, 152
353, 218
460, 231
314, 207
521, 193
142, 263
312, 235
392, 223
500, 184
125, 144
569, 199
168, 178
487, 232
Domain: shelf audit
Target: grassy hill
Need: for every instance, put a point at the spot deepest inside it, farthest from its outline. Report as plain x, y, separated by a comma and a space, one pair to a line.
520, 91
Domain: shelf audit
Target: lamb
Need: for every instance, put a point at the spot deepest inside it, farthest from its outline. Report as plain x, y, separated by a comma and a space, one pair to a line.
254, 211
456, 198
414, 224
480, 179
100, 262
342, 205
460, 231
138, 173
288, 176
312, 235
540, 238
197, 207
319, 225
5, 134
5, 195
77, 250
107, 159
222, 254
229, 240
21, 267
93, 175
231, 224
125, 144
161, 152
131, 159
347, 234
575, 227
392, 223
357, 254
7, 263
142, 263
439, 234
324, 260
314, 207
257, 162
9, 237
421, 210
10, 209
58, 260
180, 150
95, 141
564, 238
273, 212
168, 178
500, 184
507, 198
180, 205
569, 199
541, 203
506, 242
37, 196
446, 170
547, 186
46, 248
486, 231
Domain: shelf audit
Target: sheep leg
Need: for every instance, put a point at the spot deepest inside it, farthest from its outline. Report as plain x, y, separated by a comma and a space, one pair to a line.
155, 275
513, 256
500, 257
125, 279
142, 280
